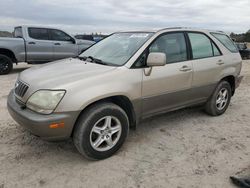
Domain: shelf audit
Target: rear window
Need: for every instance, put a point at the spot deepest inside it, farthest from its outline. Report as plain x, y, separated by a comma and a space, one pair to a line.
18, 32
39, 33
226, 41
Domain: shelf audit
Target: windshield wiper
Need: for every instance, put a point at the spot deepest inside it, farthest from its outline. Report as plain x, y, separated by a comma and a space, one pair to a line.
98, 61
92, 59
81, 58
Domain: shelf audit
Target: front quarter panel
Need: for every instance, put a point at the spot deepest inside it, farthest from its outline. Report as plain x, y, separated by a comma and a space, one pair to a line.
121, 81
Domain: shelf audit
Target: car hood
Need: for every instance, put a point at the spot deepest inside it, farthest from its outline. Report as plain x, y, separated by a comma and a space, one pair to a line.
63, 73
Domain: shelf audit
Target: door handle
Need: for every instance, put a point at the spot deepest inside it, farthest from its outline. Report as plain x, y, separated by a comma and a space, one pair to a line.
57, 43
31, 43
185, 68
220, 62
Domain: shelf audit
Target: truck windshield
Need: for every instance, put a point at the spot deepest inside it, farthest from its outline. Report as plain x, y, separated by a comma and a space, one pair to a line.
118, 48
241, 46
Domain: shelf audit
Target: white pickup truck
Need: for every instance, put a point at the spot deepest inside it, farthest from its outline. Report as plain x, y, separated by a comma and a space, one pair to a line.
36, 45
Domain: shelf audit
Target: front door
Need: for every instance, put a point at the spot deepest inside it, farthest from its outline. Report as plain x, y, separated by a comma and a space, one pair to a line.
63, 45
168, 87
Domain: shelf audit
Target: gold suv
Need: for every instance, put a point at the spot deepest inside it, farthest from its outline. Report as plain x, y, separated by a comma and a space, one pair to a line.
96, 97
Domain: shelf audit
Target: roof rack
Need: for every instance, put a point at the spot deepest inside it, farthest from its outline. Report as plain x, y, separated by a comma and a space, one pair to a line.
189, 28
172, 28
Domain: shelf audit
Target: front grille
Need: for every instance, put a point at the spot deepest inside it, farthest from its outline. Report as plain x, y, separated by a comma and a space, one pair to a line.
21, 88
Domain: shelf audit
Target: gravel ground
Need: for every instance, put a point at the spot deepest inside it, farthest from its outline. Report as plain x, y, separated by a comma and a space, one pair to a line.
186, 148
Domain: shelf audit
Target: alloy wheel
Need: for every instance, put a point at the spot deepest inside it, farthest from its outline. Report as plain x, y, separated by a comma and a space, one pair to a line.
221, 99
105, 133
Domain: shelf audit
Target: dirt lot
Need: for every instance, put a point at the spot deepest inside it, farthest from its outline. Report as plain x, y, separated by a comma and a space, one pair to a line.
181, 149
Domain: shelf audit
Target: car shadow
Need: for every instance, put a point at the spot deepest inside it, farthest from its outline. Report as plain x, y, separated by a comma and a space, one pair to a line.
66, 150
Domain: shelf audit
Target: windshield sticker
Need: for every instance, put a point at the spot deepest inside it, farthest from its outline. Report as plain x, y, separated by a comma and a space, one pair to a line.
137, 35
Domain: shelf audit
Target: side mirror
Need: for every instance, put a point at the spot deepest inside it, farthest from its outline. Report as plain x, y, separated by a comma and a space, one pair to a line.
156, 59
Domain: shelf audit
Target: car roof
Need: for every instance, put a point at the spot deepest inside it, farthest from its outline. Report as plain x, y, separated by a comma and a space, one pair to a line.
38, 26
167, 29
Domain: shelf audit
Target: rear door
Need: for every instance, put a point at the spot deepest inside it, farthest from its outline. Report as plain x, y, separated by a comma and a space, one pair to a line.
168, 87
39, 47
208, 64
63, 45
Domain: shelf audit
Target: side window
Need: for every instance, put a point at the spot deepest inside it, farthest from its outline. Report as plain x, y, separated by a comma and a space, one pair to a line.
215, 50
141, 61
59, 35
226, 41
38, 33
173, 45
201, 45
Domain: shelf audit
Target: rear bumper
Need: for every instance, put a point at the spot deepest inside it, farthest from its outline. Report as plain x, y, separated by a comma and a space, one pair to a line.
38, 124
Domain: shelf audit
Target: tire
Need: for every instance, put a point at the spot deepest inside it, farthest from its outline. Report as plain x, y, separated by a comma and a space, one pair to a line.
90, 129
215, 105
6, 64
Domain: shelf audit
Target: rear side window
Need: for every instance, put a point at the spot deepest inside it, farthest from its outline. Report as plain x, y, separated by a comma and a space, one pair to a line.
216, 50
38, 33
173, 45
59, 35
226, 41
201, 45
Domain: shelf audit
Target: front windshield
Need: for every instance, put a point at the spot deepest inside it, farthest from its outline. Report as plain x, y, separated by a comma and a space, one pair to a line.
118, 48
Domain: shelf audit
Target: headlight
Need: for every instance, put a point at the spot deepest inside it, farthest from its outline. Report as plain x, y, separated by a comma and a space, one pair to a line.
45, 101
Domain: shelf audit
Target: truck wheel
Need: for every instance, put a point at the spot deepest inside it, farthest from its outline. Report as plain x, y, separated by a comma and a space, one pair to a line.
6, 64
220, 99
101, 130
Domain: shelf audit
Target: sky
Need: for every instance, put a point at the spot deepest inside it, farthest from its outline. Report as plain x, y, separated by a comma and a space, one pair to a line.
107, 16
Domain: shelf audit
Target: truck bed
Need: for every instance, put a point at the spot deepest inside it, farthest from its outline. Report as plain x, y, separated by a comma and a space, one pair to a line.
16, 45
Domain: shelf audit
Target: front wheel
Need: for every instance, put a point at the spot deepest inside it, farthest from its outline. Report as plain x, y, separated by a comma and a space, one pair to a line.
6, 64
101, 130
220, 99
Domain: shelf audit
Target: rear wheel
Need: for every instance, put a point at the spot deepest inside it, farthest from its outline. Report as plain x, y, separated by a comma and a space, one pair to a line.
6, 64
220, 99
101, 130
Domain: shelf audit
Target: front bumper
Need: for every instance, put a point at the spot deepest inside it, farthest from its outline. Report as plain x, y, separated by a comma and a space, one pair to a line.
38, 124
